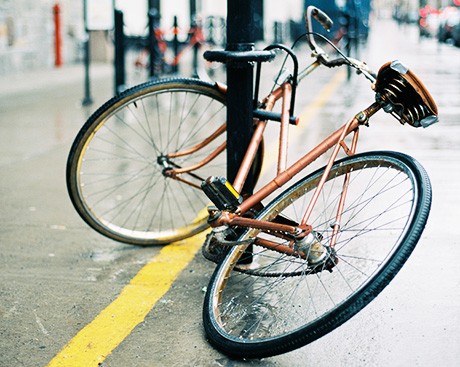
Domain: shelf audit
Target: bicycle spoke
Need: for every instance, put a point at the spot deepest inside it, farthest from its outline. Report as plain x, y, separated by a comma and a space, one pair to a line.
269, 300
117, 176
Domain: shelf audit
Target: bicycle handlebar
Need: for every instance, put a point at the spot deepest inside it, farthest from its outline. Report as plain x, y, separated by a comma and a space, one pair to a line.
322, 18
325, 21
320, 54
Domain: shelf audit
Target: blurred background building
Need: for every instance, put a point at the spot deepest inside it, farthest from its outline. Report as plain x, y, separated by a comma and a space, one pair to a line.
28, 28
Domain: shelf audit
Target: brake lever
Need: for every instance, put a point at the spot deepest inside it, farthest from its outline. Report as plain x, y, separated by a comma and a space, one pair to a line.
362, 68
321, 55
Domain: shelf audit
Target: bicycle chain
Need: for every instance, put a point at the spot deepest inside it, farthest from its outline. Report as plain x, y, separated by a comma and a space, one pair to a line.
328, 265
216, 250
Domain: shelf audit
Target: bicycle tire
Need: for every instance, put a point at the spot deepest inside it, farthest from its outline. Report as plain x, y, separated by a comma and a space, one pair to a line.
249, 315
114, 176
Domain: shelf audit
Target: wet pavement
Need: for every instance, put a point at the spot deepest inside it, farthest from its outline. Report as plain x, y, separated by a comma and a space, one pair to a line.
57, 275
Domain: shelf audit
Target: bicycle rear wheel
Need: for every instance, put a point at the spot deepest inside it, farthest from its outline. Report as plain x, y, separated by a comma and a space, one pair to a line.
115, 167
279, 303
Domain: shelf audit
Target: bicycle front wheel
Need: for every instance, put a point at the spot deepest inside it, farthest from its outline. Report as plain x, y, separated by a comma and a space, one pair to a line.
279, 302
116, 166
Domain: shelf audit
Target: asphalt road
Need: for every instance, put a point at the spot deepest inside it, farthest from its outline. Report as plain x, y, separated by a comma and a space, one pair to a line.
57, 276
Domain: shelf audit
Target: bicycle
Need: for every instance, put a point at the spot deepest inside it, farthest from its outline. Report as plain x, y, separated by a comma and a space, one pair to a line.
161, 59
287, 272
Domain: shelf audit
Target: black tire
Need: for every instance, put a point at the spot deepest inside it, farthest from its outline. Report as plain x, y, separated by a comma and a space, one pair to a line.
280, 303
114, 171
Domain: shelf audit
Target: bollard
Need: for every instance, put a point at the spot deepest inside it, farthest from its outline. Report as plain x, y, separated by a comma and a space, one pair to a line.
175, 66
156, 57
57, 36
196, 34
210, 39
278, 32
119, 60
87, 99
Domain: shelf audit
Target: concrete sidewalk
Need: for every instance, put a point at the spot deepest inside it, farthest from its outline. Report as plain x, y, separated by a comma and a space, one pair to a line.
52, 78
68, 79
56, 274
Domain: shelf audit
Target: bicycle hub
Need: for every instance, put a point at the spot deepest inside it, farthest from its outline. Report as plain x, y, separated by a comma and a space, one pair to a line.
311, 246
163, 161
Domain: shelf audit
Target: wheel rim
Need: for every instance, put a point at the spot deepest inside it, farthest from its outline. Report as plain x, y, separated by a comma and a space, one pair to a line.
260, 305
121, 187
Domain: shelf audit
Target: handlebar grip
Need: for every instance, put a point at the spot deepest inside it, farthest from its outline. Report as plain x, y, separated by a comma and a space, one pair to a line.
336, 62
322, 18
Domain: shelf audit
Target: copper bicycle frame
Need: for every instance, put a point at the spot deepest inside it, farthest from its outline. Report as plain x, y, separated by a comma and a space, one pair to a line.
336, 140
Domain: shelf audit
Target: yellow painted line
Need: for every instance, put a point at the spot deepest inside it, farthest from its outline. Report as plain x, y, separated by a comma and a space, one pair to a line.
311, 110
306, 116
99, 338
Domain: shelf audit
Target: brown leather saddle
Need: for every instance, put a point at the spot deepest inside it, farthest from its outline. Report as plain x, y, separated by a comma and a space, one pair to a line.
403, 95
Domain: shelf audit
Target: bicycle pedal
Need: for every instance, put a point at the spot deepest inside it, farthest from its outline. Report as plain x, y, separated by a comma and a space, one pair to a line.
212, 250
222, 193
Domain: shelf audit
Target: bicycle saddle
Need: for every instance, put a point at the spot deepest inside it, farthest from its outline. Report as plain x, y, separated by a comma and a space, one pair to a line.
403, 94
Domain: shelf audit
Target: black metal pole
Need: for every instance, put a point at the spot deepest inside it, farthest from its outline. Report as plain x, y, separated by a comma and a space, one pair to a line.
192, 10
194, 23
210, 26
175, 67
155, 4
240, 37
195, 27
155, 63
151, 42
87, 100
119, 60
